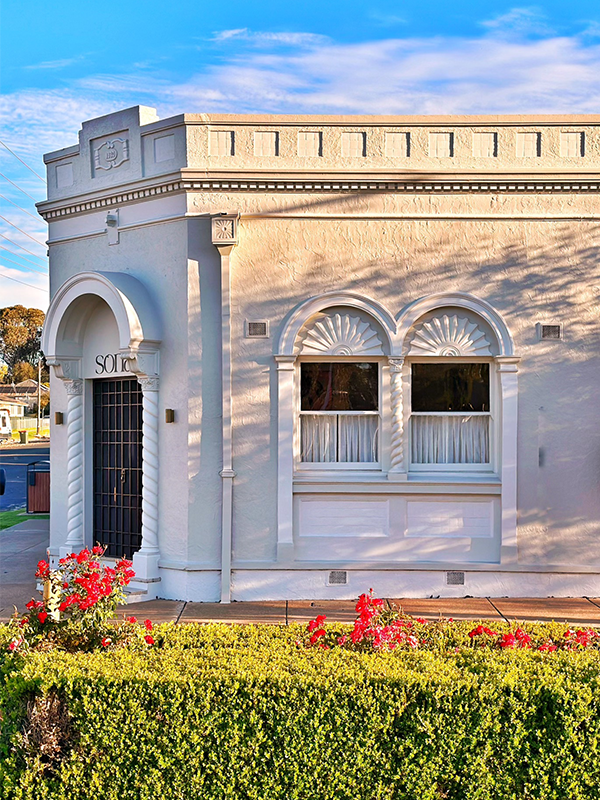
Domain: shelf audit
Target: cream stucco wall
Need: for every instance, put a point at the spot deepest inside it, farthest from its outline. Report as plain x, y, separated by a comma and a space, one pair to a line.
519, 233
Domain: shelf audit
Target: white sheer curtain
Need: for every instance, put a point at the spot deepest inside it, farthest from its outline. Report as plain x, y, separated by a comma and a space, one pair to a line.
347, 438
450, 439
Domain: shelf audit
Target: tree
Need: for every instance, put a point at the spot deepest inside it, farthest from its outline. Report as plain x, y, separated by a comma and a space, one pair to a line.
20, 332
22, 371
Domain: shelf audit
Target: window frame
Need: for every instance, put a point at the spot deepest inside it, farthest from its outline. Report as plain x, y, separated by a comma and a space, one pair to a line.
339, 466
490, 467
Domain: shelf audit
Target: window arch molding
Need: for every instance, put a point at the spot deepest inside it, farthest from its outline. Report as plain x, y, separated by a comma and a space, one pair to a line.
412, 313
303, 312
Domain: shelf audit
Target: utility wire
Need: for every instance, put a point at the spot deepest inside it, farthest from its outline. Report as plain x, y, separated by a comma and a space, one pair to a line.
21, 246
33, 239
18, 255
22, 162
16, 187
27, 269
37, 219
23, 282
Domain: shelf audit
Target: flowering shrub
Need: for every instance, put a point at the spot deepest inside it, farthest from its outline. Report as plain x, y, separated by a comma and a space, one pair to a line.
78, 600
379, 628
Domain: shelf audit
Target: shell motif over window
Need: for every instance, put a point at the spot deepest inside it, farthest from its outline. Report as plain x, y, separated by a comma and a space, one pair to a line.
449, 335
339, 334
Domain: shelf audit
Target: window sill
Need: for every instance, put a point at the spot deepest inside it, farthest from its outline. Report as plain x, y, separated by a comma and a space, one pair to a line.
365, 483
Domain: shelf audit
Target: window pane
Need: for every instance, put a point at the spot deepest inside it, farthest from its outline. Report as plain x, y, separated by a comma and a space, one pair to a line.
339, 387
318, 435
450, 387
461, 439
358, 438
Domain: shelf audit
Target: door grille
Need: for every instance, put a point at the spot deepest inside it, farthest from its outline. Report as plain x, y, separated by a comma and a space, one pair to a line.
118, 466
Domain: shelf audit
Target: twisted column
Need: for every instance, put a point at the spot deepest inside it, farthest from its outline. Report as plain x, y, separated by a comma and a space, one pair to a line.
149, 466
397, 434
75, 538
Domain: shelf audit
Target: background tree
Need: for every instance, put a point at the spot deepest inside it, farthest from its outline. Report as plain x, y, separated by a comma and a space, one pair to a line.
20, 332
22, 371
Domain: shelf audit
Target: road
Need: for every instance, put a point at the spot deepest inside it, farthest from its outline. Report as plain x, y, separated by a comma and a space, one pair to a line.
15, 460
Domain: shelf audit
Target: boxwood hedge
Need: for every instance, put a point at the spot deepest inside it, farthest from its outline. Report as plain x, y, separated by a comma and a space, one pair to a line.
243, 712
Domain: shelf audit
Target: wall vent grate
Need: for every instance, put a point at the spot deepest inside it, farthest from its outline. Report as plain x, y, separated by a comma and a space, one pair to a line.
551, 332
257, 329
338, 577
455, 579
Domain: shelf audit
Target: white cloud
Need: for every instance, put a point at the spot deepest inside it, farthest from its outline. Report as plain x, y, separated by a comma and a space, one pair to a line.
60, 63
520, 22
26, 288
262, 38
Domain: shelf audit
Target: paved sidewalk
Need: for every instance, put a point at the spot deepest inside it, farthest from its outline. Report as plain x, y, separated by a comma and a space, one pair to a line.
23, 545
578, 610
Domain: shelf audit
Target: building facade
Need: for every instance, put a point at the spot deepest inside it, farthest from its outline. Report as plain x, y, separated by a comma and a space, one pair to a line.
298, 357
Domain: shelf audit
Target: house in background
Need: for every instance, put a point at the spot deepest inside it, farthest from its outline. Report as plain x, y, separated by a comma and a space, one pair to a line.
298, 357
11, 412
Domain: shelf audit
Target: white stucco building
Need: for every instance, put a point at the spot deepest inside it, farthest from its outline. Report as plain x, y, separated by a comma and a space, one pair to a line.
298, 357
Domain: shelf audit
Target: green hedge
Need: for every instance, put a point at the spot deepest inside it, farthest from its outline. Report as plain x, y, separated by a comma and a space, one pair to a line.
243, 712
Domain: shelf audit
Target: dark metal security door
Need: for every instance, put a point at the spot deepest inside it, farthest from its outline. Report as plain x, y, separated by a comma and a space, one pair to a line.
118, 466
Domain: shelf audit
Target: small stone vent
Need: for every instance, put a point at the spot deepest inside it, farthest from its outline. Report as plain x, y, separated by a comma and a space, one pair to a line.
257, 329
455, 579
550, 332
338, 577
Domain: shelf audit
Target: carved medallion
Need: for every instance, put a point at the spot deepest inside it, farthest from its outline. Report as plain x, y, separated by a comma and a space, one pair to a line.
111, 154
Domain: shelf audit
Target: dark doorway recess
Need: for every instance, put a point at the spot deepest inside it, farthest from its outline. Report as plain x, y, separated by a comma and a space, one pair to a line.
118, 466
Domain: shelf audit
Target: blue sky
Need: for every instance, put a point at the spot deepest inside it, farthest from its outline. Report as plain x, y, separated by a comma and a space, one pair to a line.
65, 61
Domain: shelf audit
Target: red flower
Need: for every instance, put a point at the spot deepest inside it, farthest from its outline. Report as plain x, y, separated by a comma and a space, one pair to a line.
131, 620
98, 550
15, 644
83, 556
508, 640
105, 642
148, 639
42, 616
316, 636
43, 569
147, 624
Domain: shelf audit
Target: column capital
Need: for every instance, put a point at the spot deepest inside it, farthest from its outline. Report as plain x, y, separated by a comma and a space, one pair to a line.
396, 363
74, 387
149, 384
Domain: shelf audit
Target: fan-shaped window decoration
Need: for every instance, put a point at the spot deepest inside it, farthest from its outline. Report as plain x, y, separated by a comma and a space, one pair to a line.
449, 335
339, 333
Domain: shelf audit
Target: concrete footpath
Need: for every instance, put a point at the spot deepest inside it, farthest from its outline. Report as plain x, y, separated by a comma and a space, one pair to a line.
23, 545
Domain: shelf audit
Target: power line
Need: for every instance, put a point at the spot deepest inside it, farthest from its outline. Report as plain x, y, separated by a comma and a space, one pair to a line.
22, 162
16, 280
27, 269
21, 246
33, 239
18, 255
37, 219
16, 187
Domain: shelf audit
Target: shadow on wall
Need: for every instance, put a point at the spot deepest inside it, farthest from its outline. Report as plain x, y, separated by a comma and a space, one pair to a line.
530, 271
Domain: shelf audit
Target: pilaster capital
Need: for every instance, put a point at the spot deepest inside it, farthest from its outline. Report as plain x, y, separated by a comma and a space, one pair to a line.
149, 384
396, 363
507, 363
74, 388
224, 231
285, 363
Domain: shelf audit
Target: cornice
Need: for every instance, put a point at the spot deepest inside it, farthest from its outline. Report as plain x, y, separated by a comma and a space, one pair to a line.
329, 183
